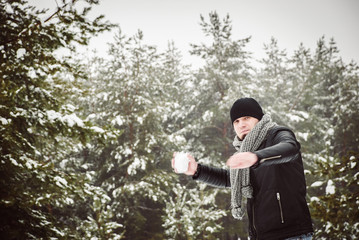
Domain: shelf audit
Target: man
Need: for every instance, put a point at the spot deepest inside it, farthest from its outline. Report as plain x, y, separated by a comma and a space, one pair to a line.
267, 170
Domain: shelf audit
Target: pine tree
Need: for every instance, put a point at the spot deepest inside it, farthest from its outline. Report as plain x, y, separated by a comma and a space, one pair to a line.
134, 90
336, 209
225, 77
37, 125
190, 214
336, 164
315, 95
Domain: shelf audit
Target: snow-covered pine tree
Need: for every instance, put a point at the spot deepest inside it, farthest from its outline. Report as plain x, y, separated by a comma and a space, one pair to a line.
37, 127
318, 102
135, 90
191, 214
317, 96
224, 77
335, 210
274, 82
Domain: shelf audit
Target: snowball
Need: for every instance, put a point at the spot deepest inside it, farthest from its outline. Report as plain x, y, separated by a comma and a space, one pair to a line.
181, 162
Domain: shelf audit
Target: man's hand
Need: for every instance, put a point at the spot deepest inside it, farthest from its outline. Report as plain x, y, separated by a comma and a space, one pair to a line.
192, 165
242, 160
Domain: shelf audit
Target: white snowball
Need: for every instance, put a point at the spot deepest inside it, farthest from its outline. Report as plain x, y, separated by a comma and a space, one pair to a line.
181, 162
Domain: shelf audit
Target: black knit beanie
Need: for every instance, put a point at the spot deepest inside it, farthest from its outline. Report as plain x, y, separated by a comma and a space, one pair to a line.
246, 107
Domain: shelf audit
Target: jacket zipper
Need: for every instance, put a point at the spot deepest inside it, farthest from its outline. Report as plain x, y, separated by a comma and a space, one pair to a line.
254, 226
280, 207
270, 158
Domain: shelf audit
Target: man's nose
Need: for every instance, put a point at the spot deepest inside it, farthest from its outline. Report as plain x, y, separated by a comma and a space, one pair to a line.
241, 124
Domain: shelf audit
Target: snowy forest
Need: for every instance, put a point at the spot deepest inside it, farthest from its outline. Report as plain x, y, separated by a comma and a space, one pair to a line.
87, 141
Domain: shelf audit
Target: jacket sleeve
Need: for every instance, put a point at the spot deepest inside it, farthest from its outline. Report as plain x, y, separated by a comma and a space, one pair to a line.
216, 177
283, 148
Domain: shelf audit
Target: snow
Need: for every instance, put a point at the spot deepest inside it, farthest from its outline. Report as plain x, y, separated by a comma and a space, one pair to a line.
20, 52
31, 163
352, 163
58, 231
330, 131
118, 120
328, 226
181, 162
69, 201
304, 136
103, 95
127, 151
112, 225
118, 156
13, 161
294, 118
179, 139
140, 120
61, 182
314, 199
53, 115
63, 163
136, 164
5, 121
97, 129
70, 107
207, 115
91, 116
72, 119
9, 9
330, 189
317, 184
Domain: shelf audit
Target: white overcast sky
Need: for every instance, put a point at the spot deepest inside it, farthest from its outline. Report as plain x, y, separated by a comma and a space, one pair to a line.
291, 22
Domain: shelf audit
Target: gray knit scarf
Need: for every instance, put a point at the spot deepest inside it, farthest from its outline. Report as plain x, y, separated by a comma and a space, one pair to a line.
240, 181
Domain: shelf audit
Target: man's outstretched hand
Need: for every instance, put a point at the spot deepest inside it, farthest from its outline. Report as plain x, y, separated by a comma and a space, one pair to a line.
242, 160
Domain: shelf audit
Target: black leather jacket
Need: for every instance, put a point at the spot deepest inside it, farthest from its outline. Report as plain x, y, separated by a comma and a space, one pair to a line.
278, 209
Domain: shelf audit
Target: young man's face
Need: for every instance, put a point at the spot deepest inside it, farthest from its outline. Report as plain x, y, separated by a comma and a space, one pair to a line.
242, 126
